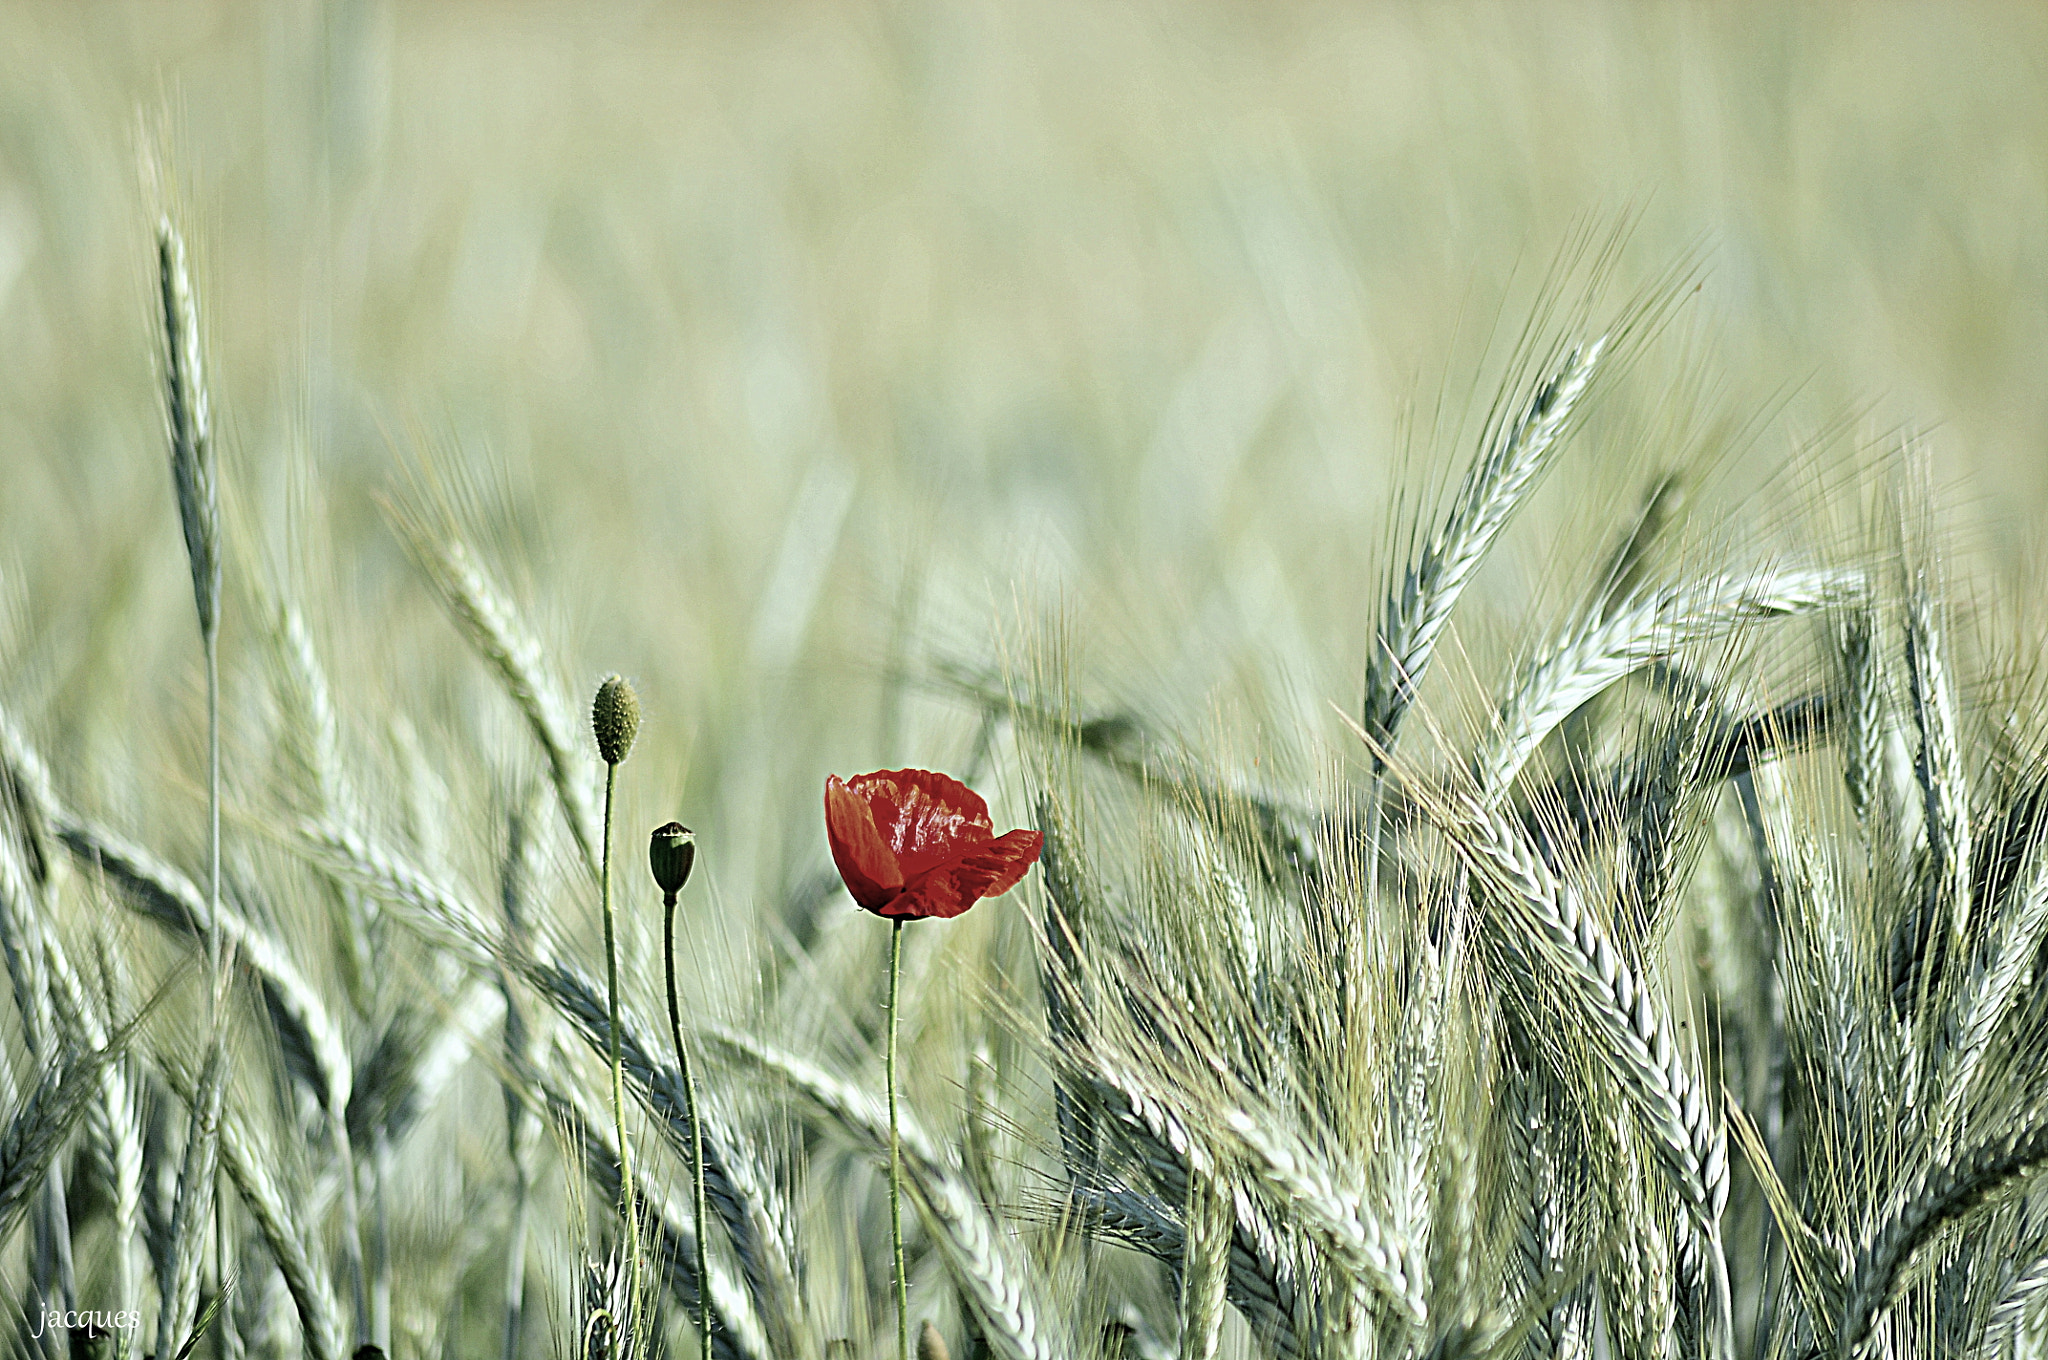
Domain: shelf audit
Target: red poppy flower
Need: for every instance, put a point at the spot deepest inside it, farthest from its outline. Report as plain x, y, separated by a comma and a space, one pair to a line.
913, 844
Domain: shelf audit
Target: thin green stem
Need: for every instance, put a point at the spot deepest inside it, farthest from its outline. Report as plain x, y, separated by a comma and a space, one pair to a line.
896, 1154
215, 958
675, 1031
352, 1230
213, 948
611, 973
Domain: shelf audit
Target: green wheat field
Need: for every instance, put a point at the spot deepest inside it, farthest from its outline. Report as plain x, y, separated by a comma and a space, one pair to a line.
1498, 544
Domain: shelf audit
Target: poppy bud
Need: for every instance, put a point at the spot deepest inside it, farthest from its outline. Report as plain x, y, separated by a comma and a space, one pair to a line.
670, 854
615, 719
931, 1345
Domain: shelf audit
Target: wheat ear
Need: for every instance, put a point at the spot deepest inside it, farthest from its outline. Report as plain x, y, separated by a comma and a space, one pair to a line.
1614, 999
1415, 615
738, 1335
42, 1122
168, 897
1145, 1222
522, 1124
114, 1122
1288, 1170
1263, 1281
753, 1218
1939, 923
1605, 648
1999, 972
191, 1210
494, 630
1863, 705
2026, 1289
1941, 1196
52, 1279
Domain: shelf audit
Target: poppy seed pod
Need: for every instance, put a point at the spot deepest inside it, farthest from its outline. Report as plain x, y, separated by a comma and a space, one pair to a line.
670, 853
615, 719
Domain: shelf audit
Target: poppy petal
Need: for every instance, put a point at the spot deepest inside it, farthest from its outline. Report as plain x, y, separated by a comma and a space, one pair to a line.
925, 817
987, 870
866, 863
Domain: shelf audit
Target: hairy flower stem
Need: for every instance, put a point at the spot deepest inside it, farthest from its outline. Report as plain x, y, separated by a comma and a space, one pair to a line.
896, 1154
611, 971
675, 1031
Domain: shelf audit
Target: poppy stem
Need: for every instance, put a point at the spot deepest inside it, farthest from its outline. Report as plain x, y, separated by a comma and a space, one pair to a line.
675, 1030
895, 1154
611, 971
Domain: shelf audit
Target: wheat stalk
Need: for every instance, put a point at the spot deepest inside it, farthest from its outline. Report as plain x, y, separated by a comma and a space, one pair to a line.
1205, 1269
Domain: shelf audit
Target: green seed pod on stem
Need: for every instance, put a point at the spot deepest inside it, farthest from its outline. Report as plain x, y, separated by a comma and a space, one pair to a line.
615, 719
